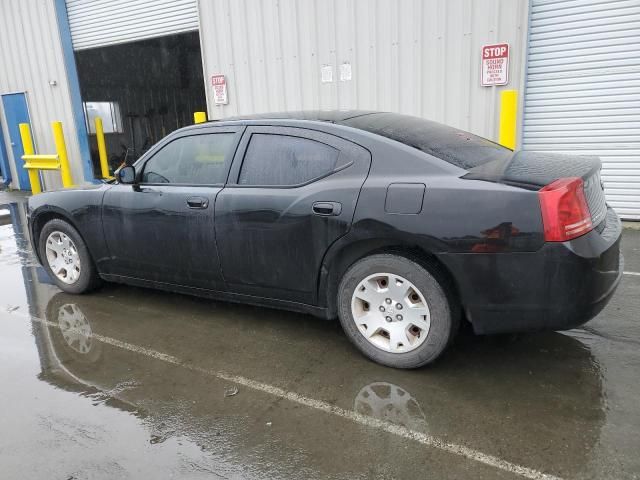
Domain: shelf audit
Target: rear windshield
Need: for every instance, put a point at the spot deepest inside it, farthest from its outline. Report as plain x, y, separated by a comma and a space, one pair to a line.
457, 147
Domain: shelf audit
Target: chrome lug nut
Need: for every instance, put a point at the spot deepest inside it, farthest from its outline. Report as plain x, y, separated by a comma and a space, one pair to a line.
388, 300
399, 317
388, 319
381, 308
399, 306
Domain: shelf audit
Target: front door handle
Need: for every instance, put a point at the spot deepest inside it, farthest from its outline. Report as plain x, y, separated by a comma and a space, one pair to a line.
197, 202
327, 208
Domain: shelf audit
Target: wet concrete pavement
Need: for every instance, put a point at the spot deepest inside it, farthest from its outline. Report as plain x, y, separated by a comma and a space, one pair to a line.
134, 383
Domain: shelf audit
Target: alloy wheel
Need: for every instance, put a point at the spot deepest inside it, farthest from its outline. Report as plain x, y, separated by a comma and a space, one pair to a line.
391, 312
62, 257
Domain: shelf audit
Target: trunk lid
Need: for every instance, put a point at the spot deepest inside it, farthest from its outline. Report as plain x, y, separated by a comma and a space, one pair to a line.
533, 170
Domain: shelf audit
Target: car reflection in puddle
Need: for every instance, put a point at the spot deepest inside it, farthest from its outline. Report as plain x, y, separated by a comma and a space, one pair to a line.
390, 403
475, 396
75, 329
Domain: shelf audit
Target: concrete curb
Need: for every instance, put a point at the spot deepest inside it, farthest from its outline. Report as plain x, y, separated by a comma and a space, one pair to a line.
631, 225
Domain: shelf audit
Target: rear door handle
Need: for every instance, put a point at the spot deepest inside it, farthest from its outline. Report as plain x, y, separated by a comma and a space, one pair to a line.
327, 208
197, 202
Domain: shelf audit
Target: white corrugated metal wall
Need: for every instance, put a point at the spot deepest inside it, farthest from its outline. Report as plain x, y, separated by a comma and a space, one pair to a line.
410, 56
96, 23
30, 57
583, 89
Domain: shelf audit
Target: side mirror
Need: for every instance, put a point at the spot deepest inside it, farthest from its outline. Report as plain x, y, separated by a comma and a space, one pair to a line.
127, 175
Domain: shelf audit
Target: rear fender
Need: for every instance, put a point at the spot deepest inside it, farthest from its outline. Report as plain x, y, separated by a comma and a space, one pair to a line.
352, 248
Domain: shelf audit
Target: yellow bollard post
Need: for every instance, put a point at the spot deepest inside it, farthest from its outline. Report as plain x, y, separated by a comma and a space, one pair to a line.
508, 118
199, 117
102, 149
61, 150
27, 146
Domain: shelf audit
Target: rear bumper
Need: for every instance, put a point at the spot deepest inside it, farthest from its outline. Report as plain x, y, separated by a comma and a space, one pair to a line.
561, 286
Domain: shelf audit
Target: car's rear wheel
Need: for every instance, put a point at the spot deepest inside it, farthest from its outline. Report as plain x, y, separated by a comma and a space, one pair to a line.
66, 258
396, 311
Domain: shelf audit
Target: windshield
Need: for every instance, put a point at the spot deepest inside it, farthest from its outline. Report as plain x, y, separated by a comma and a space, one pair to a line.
460, 148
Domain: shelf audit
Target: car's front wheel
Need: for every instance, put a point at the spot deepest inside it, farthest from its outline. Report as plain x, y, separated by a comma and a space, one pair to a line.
66, 258
396, 311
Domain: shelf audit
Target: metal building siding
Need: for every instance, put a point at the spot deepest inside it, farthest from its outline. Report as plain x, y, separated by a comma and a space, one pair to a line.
96, 23
410, 56
583, 89
31, 57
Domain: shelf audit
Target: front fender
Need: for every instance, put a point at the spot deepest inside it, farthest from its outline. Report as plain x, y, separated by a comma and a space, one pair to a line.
81, 207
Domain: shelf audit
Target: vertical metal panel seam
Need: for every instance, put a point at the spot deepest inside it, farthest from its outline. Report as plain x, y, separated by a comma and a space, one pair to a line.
265, 57
290, 58
333, 56
301, 82
494, 93
469, 36
74, 88
443, 15
203, 59
338, 47
246, 33
317, 49
353, 57
376, 42
395, 56
421, 44
525, 73
261, 88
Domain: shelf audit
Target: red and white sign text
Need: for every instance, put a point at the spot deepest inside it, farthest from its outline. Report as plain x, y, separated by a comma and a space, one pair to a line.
495, 64
219, 84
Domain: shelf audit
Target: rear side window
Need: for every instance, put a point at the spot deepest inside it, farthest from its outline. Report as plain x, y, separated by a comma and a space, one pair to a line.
193, 160
285, 160
460, 148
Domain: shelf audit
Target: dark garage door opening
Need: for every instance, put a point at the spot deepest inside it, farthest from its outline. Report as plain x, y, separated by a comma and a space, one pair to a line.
149, 88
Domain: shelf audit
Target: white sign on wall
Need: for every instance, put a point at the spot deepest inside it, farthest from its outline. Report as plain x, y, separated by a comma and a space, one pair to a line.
326, 74
495, 64
219, 84
345, 72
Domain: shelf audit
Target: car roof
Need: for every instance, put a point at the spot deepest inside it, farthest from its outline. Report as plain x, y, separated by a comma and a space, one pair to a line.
331, 116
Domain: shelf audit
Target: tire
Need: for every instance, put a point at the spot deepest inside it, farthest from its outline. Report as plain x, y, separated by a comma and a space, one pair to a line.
87, 279
425, 342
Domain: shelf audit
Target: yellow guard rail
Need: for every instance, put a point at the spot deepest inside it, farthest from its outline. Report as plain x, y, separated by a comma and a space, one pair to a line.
34, 163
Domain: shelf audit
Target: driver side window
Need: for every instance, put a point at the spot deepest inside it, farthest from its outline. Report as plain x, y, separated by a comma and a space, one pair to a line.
193, 160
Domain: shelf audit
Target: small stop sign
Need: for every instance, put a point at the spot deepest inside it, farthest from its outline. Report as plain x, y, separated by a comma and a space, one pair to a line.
495, 64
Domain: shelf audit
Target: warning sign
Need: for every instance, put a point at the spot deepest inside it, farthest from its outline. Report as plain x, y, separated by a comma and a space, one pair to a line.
219, 84
495, 64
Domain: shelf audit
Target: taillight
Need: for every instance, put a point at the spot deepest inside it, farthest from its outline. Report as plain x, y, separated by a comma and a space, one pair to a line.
565, 213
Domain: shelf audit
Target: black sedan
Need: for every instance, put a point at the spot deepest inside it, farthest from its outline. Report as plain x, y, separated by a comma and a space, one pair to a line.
399, 226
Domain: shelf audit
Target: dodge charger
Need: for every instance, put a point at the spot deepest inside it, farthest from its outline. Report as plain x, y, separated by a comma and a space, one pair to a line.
398, 226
